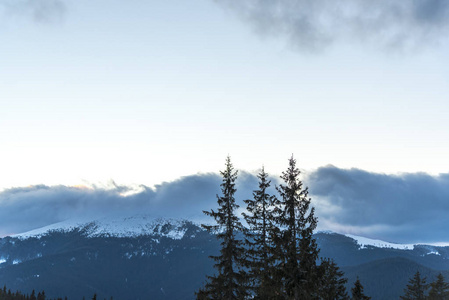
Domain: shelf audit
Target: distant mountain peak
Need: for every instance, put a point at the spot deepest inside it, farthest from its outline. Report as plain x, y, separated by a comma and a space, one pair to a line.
130, 226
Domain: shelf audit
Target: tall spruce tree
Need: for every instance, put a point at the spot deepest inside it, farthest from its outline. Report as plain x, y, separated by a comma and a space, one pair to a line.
296, 251
231, 280
259, 240
41, 296
357, 291
416, 289
332, 281
439, 289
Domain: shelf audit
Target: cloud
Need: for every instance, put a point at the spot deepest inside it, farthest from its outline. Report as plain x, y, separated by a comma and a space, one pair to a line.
40, 11
398, 208
27, 208
314, 25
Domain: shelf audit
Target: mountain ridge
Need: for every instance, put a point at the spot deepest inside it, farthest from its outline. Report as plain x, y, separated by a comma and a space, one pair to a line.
130, 226
133, 257
144, 224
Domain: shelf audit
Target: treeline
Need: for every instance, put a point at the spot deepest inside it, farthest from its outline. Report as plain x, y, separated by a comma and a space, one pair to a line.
6, 294
418, 289
275, 256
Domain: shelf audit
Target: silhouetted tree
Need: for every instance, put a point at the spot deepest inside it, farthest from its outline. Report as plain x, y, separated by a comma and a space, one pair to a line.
357, 291
439, 289
416, 289
259, 240
332, 285
296, 250
231, 280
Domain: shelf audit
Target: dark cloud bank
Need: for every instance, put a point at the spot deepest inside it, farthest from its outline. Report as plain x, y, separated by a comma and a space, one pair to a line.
27, 208
405, 208
314, 25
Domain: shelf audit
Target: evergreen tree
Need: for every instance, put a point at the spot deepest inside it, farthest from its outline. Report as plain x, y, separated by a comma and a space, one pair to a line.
416, 289
332, 281
357, 291
296, 250
259, 239
231, 282
439, 289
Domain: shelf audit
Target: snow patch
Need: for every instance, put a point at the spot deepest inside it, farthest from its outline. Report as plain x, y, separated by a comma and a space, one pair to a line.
16, 261
325, 231
366, 242
2, 260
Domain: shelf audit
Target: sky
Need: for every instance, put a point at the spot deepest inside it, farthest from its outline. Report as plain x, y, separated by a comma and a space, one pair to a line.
146, 93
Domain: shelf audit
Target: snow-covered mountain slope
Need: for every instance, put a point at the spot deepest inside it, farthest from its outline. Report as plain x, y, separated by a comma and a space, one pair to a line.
81, 257
129, 258
139, 225
132, 226
365, 242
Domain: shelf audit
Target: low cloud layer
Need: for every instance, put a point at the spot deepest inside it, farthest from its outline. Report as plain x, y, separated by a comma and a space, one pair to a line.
314, 25
39, 11
405, 208
27, 208
397, 208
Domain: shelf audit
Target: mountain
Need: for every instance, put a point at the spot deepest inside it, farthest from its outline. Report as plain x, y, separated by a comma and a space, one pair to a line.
127, 258
140, 257
349, 250
383, 268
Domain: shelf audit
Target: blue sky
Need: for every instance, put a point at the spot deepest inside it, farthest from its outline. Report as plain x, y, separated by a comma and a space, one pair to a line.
143, 92
146, 91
